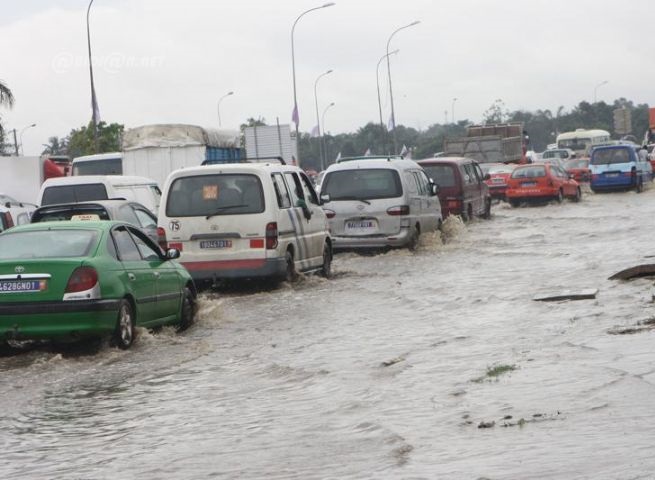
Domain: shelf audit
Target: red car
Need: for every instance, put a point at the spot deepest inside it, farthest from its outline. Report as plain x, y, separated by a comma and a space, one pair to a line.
498, 173
539, 182
579, 169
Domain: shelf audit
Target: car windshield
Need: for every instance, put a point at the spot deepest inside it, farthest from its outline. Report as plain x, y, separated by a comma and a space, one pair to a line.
29, 244
577, 164
217, 194
501, 169
443, 175
610, 156
529, 172
555, 154
365, 183
575, 144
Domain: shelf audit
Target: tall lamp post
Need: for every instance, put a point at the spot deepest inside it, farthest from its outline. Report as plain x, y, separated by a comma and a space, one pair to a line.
393, 113
377, 79
452, 111
22, 151
94, 100
318, 123
295, 117
604, 82
324, 165
218, 106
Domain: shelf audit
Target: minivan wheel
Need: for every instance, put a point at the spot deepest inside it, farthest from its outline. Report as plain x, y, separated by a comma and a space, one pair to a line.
123, 336
413, 242
187, 310
326, 268
487, 209
291, 275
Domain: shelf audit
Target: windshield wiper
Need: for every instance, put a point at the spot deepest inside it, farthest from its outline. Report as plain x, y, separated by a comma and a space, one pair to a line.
219, 210
363, 200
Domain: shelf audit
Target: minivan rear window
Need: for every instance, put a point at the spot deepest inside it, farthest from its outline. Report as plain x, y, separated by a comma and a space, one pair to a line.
368, 183
217, 194
610, 156
109, 166
73, 193
442, 175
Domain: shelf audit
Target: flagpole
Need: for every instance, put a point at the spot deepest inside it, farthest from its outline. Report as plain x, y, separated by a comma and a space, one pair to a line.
323, 136
94, 100
377, 79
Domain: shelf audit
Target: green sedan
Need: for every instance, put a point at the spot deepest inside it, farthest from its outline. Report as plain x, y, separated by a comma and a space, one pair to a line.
81, 279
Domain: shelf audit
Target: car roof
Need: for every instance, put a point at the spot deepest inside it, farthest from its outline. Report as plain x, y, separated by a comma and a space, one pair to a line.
443, 160
112, 179
72, 225
99, 156
394, 163
233, 167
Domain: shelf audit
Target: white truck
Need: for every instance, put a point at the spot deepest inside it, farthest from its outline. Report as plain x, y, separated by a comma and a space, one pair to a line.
21, 177
271, 141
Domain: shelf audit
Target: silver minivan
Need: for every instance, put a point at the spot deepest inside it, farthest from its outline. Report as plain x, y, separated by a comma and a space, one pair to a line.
377, 202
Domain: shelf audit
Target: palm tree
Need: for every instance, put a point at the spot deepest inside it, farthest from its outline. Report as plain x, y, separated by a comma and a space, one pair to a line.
6, 97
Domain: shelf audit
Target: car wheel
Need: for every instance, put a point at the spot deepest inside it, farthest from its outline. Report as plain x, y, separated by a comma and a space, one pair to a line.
414, 238
640, 186
487, 209
578, 195
124, 333
187, 311
7, 350
326, 268
291, 275
514, 203
560, 196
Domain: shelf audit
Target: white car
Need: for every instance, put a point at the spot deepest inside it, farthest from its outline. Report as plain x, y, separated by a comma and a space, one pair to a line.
13, 212
377, 202
245, 220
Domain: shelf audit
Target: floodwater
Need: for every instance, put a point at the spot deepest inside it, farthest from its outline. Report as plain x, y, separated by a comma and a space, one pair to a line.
430, 365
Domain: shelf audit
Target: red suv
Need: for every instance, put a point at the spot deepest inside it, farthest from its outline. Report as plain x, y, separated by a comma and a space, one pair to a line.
462, 190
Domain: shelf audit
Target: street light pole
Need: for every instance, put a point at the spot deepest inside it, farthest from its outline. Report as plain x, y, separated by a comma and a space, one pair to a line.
218, 106
295, 116
324, 165
393, 113
452, 111
604, 82
22, 151
94, 100
318, 123
377, 79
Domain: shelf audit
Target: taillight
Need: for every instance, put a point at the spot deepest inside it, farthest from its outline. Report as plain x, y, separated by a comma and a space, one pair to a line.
161, 238
271, 235
453, 203
329, 213
82, 279
256, 243
9, 222
176, 245
398, 210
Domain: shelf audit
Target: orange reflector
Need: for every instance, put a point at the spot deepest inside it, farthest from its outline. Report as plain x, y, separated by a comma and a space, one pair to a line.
175, 245
256, 243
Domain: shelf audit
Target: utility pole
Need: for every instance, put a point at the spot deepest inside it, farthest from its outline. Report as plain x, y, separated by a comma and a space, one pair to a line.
15, 143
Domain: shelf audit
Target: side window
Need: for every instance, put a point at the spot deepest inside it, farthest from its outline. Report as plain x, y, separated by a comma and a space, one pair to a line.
111, 248
308, 190
422, 186
146, 219
412, 184
426, 182
126, 214
281, 191
478, 171
147, 251
127, 249
294, 187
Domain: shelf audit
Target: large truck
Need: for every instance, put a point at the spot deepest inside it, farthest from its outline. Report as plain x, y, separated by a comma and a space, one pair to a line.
499, 143
154, 151
271, 141
21, 177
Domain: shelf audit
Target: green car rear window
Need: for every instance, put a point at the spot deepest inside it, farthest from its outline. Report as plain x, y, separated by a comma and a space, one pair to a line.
60, 244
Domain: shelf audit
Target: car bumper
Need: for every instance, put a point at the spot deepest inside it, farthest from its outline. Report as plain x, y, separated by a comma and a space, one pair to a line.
497, 192
49, 320
530, 193
226, 269
371, 241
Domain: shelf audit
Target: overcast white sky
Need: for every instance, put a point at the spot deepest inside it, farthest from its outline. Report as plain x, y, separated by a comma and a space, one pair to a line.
164, 61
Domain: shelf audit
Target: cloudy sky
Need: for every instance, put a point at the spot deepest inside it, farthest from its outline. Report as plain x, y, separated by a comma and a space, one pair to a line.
164, 61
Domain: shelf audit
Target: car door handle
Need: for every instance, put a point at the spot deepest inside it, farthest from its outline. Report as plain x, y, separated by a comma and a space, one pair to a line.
131, 276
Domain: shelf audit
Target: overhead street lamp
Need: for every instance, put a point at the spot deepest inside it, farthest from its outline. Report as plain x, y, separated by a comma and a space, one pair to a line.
295, 116
318, 123
393, 113
377, 79
218, 106
604, 82
324, 165
22, 152
94, 100
452, 111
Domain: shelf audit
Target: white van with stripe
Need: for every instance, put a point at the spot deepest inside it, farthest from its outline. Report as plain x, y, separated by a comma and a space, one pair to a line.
245, 220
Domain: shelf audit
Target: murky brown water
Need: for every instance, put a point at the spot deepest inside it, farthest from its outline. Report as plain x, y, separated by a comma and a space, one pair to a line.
380, 372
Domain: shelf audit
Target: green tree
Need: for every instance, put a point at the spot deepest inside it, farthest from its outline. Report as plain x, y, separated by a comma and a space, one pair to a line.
56, 146
496, 113
6, 100
81, 141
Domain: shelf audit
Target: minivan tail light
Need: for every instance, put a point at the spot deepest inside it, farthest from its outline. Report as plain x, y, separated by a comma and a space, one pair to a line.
329, 213
398, 210
8, 220
161, 236
271, 236
82, 279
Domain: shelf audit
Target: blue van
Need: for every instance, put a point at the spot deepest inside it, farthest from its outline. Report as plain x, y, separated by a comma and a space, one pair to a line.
617, 167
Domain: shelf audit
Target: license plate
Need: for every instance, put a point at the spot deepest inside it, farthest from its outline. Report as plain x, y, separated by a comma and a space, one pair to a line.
216, 244
23, 286
361, 225
497, 180
529, 184
611, 174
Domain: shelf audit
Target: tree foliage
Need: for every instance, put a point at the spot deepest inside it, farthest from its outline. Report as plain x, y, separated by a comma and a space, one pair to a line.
81, 140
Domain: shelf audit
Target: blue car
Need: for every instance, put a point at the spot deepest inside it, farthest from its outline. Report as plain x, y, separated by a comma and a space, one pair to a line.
618, 167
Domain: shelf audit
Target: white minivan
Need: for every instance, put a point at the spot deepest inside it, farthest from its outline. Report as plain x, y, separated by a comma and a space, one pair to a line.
377, 202
245, 220
100, 187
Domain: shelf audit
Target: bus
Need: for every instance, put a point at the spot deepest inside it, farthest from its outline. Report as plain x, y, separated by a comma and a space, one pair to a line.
581, 141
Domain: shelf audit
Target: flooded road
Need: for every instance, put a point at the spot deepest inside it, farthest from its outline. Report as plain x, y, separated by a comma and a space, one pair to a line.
430, 365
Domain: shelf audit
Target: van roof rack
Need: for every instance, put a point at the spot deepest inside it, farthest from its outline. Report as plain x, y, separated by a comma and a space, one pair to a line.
244, 160
371, 157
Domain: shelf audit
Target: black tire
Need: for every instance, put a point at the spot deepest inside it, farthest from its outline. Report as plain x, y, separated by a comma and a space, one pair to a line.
578, 195
124, 332
487, 209
414, 239
560, 196
188, 310
640, 185
8, 350
326, 268
290, 275
514, 203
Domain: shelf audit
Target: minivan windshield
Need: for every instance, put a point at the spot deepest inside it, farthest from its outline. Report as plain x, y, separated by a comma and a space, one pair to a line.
364, 183
442, 175
216, 194
610, 156
73, 193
